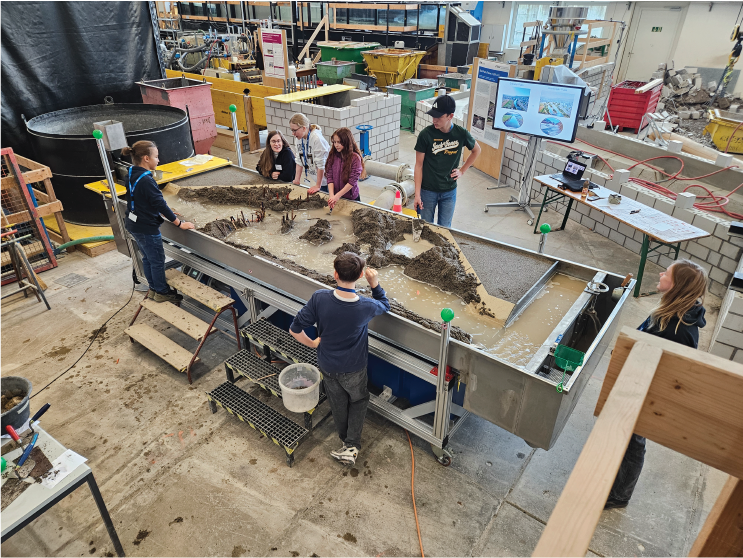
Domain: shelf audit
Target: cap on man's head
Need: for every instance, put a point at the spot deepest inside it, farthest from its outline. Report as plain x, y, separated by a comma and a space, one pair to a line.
443, 105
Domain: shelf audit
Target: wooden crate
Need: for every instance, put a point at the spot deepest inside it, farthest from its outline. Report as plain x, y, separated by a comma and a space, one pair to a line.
226, 140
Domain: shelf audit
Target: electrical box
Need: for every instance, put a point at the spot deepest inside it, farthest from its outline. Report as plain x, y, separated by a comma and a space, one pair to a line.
114, 137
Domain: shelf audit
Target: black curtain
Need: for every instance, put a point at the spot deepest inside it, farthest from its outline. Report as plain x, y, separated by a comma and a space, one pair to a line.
58, 55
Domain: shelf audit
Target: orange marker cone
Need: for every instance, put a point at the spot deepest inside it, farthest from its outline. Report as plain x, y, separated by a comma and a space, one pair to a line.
398, 202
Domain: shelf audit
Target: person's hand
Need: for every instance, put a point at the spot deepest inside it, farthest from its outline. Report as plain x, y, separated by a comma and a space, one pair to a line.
418, 202
275, 175
185, 225
313, 190
295, 182
315, 343
332, 200
371, 277
456, 173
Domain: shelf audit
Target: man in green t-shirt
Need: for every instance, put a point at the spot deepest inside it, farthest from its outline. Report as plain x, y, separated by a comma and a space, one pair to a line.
438, 151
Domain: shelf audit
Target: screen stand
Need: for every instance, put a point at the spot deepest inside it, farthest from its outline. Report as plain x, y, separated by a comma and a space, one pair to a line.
523, 201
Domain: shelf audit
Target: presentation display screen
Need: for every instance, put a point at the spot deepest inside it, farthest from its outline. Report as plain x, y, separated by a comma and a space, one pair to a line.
546, 110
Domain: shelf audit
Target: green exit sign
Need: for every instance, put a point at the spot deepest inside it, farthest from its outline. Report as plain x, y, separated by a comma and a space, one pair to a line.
656, 30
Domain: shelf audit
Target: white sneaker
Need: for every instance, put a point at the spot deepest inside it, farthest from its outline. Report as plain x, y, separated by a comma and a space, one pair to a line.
346, 455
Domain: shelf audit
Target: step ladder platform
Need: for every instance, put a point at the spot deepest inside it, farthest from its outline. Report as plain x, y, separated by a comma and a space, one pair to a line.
167, 349
279, 341
198, 291
180, 318
255, 369
282, 430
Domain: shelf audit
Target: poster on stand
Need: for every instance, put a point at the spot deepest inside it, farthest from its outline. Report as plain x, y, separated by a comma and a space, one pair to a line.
482, 105
274, 53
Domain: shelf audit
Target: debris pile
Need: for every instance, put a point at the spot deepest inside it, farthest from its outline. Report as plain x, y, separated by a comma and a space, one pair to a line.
275, 198
319, 233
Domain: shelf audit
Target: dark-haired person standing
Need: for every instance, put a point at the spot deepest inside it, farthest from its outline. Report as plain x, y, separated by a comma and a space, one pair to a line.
144, 215
342, 319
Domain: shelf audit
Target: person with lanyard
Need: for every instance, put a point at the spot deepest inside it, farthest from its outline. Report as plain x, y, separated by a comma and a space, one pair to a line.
312, 152
277, 159
342, 344
144, 215
678, 318
344, 166
438, 152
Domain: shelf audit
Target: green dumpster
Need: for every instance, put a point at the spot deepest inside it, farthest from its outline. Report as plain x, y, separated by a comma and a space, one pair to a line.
334, 71
347, 51
411, 93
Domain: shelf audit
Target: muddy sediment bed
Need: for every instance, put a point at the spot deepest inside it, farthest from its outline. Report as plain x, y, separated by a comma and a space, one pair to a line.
378, 229
319, 233
440, 266
275, 198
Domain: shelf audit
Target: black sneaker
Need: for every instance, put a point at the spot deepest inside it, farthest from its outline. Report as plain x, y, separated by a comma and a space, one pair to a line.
170, 296
612, 504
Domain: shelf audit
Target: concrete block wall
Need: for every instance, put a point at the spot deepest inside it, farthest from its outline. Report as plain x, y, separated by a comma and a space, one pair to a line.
377, 109
727, 341
719, 254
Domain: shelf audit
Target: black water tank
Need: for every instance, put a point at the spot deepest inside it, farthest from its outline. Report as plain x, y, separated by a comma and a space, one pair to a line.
63, 140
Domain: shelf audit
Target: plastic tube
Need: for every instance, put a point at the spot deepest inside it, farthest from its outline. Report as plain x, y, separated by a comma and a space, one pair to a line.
102, 238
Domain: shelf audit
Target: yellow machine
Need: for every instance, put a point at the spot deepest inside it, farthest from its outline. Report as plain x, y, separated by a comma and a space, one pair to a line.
545, 61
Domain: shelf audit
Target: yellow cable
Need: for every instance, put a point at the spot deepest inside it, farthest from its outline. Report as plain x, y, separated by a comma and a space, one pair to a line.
412, 491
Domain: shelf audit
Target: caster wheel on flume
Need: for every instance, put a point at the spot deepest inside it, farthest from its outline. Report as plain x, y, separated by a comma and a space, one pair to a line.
530, 222
486, 210
442, 455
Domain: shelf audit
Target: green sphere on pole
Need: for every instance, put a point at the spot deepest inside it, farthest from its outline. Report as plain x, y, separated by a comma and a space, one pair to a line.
233, 108
447, 314
97, 134
545, 228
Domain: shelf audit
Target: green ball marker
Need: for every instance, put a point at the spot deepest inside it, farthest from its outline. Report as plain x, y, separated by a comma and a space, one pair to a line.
97, 134
447, 314
545, 228
233, 108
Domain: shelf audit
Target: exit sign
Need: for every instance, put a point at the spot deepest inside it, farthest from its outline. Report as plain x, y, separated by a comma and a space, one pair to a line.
656, 30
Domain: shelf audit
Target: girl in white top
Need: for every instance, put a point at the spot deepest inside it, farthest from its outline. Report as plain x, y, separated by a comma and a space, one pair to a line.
312, 152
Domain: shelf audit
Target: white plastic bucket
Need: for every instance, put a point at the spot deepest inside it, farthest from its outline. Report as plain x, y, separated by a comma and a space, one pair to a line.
300, 387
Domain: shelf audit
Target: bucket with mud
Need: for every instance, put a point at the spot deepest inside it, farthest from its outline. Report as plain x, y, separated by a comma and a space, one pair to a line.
15, 392
300, 387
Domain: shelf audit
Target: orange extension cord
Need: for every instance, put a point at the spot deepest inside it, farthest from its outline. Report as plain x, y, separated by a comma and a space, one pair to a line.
711, 202
412, 491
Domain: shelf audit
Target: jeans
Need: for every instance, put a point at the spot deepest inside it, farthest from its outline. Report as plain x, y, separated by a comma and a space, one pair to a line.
348, 396
445, 202
153, 260
629, 470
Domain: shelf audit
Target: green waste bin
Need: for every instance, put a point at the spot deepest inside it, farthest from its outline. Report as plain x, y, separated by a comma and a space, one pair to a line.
411, 93
347, 51
455, 81
334, 71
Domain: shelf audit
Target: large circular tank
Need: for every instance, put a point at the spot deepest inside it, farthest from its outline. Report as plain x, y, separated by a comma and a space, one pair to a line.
64, 142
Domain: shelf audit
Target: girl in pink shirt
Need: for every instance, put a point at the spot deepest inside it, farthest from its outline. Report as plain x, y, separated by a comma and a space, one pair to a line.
343, 167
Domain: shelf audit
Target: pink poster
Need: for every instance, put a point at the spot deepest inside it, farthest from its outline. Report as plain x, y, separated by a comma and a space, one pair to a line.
273, 53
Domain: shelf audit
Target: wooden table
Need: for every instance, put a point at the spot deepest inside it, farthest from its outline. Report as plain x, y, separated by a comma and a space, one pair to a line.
37, 499
656, 227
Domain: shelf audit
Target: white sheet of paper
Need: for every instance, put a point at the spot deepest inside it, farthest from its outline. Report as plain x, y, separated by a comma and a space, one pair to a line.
22, 429
197, 160
61, 467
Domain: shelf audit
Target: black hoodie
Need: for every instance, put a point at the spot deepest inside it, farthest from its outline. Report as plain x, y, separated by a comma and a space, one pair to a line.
148, 203
686, 334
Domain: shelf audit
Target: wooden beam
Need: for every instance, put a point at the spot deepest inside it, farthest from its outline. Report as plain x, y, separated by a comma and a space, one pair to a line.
323, 21
648, 86
24, 216
722, 533
574, 519
694, 404
253, 133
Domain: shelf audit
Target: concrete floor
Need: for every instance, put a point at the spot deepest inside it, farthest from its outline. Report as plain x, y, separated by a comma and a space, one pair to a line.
180, 481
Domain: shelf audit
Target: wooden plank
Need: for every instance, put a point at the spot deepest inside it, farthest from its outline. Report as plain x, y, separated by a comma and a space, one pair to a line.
722, 532
305, 50
254, 138
649, 86
221, 101
42, 210
9, 183
36, 173
191, 287
40, 196
226, 140
694, 404
574, 519
168, 350
31, 250
669, 229
95, 249
183, 320
253, 89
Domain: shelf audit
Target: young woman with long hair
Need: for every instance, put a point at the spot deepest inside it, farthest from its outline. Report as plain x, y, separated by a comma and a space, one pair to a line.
312, 152
277, 159
343, 167
677, 318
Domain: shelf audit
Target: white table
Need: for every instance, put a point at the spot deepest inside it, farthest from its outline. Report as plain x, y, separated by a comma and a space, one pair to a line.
37, 499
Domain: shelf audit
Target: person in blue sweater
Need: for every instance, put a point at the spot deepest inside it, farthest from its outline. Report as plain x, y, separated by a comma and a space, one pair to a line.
677, 318
144, 215
342, 319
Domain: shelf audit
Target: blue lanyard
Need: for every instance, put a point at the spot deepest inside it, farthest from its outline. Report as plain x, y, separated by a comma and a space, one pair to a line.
132, 187
304, 154
345, 290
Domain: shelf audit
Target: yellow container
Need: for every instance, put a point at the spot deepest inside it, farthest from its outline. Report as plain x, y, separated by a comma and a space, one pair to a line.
722, 125
392, 65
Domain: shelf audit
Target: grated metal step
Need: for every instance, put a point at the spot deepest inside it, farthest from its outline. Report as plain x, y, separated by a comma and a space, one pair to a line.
280, 342
255, 369
284, 432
